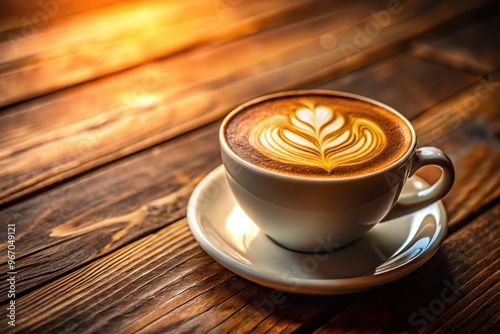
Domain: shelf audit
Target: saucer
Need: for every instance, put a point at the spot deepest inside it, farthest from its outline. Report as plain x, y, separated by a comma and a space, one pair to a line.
386, 253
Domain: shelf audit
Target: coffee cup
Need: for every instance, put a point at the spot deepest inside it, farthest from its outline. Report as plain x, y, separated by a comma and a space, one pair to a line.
311, 167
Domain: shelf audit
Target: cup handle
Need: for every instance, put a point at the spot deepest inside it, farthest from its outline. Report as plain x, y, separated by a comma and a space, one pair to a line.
409, 203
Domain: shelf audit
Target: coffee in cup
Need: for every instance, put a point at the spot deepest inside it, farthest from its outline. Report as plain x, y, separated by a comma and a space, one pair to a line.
318, 136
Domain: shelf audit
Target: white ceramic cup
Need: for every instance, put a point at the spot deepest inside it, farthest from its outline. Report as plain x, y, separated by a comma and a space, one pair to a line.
311, 214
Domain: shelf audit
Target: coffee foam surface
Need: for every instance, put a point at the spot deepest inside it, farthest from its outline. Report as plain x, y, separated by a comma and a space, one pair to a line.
318, 136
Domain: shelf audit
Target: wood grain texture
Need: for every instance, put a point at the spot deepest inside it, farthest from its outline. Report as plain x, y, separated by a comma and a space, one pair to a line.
472, 48
165, 283
85, 219
403, 82
97, 42
58, 136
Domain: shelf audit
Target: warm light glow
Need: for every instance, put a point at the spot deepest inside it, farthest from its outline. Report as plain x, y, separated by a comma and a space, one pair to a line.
146, 100
240, 229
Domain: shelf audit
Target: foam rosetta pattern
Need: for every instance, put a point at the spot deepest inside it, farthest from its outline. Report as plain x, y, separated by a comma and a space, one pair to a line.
318, 136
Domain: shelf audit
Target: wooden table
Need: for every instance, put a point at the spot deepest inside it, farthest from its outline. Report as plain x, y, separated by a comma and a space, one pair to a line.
109, 118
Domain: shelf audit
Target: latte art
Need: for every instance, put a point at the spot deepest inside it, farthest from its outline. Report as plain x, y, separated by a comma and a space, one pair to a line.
318, 137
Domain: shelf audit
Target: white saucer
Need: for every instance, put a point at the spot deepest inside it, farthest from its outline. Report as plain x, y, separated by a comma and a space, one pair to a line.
389, 251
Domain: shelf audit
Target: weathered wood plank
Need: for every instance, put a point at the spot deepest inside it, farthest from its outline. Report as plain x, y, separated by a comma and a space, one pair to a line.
165, 282
61, 135
110, 208
473, 48
405, 83
101, 41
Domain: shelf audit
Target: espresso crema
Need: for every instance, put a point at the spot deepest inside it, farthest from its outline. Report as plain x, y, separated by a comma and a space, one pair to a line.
318, 135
